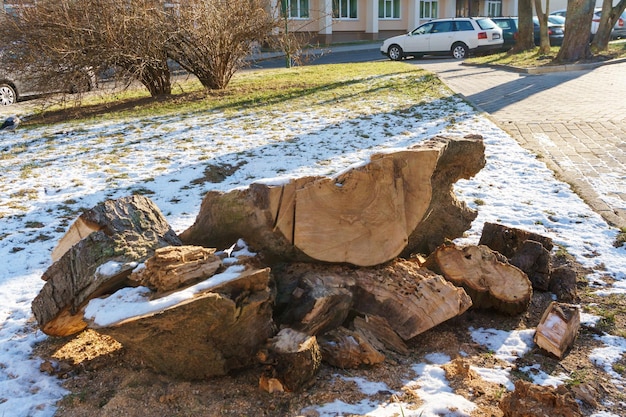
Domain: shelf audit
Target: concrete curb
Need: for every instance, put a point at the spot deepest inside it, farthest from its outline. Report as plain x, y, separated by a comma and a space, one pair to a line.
550, 68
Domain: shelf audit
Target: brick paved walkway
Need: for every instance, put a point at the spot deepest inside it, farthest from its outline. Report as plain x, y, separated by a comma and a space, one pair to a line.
575, 121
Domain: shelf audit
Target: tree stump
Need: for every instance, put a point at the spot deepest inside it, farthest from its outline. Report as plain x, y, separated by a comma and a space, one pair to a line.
365, 216
293, 359
124, 232
490, 282
558, 328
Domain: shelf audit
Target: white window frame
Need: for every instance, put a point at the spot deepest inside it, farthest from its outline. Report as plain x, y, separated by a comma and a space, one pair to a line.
429, 9
302, 11
337, 11
392, 6
494, 8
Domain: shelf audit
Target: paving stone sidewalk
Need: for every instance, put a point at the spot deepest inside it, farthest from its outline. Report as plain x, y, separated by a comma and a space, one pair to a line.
574, 120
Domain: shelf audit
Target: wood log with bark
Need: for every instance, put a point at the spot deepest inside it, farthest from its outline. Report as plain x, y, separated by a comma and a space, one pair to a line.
95, 257
487, 277
397, 203
197, 332
345, 348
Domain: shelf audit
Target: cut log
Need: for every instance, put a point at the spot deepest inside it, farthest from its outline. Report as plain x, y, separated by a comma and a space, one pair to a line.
345, 349
293, 359
563, 284
124, 233
173, 267
365, 216
198, 332
528, 251
379, 334
489, 280
558, 328
409, 298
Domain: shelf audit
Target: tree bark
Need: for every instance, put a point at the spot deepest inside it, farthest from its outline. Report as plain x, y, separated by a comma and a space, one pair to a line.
96, 257
577, 32
525, 31
344, 348
491, 282
398, 203
544, 39
608, 19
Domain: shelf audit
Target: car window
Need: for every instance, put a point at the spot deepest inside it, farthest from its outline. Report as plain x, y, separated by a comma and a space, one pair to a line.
441, 27
485, 24
425, 28
464, 25
504, 24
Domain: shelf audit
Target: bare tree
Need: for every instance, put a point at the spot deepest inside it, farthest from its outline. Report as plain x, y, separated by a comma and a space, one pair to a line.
544, 39
58, 40
607, 20
577, 31
525, 30
211, 39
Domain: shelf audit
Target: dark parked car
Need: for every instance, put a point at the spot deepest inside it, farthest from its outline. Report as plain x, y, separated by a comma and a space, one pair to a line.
556, 30
14, 87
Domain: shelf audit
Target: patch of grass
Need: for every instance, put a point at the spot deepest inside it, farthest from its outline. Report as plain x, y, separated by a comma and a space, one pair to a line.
531, 58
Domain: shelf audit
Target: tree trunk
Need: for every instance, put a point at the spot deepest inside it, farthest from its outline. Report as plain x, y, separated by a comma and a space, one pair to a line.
525, 32
398, 203
544, 39
577, 32
608, 19
490, 282
95, 257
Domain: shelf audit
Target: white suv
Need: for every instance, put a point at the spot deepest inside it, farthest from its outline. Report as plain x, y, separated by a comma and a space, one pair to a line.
458, 37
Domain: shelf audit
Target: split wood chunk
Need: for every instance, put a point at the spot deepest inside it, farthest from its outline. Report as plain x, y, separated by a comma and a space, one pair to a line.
379, 334
528, 251
172, 267
204, 334
124, 233
293, 359
411, 299
365, 216
558, 328
531, 400
489, 280
344, 348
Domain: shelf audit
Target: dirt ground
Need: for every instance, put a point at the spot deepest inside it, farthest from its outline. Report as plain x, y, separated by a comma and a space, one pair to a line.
106, 380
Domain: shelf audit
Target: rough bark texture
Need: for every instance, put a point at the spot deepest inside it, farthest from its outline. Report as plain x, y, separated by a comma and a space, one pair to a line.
608, 18
525, 35
293, 359
577, 31
528, 251
216, 330
489, 280
398, 203
558, 328
123, 233
563, 284
529, 400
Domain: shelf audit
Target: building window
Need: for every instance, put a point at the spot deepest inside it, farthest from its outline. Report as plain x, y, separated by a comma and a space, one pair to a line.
494, 8
389, 9
344, 9
298, 9
428, 9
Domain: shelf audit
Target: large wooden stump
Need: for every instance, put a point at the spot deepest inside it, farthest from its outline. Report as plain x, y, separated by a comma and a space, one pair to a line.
95, 257
208, 330
396, 203
486, 276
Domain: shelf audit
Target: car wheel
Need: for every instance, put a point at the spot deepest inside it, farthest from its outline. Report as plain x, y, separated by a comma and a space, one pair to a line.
395, 53
7, 95
460, 50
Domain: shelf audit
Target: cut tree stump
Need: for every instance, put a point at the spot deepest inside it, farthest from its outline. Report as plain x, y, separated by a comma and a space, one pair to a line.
292, 360
491, 282
124, 232
203, 333
396, 203
558, 328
